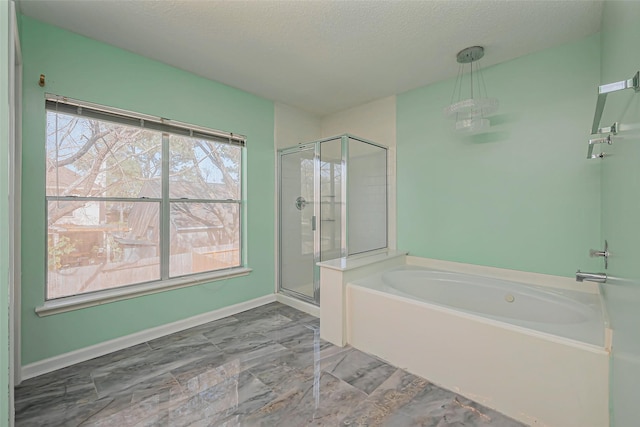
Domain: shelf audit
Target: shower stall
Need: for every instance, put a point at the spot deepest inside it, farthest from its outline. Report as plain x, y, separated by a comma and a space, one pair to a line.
332, 203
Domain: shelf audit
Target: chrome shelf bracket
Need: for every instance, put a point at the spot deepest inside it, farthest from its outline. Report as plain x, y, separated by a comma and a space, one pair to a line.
592, 142
603, 91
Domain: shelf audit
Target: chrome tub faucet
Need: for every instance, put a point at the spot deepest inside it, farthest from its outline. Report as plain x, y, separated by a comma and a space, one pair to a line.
591, 277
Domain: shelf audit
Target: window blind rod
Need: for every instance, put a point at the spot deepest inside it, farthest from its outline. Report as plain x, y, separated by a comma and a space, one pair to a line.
74, 107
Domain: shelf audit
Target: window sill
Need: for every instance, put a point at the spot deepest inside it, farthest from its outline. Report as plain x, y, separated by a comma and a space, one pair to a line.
78, 302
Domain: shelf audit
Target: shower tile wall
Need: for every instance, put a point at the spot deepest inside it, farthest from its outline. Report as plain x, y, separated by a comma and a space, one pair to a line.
374, 121
331, 199
367, 197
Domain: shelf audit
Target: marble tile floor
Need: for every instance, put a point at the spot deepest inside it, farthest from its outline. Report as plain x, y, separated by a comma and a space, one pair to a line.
262, 367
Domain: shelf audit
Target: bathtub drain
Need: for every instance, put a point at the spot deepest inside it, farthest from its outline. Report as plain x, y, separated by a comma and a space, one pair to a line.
509, 298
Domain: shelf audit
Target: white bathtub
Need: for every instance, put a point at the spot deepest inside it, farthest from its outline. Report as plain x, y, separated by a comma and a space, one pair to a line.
535, 353
565, 313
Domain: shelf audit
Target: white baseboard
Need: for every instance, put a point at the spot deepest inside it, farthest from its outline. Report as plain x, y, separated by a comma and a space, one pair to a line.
299, 305
67, 359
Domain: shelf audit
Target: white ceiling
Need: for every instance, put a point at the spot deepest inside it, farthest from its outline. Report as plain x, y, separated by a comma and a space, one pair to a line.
322, 56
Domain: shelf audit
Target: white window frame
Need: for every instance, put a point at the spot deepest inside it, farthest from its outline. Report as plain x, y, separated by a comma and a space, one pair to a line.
166, 127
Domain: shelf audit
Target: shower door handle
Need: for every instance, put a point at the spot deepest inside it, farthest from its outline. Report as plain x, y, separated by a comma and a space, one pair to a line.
313, 223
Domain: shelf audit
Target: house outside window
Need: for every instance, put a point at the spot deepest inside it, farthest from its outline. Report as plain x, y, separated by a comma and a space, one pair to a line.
135, 199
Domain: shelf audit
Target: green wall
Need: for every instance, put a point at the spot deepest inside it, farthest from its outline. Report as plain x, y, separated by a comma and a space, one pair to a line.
85, 69
4, 214
521, 196
621, 208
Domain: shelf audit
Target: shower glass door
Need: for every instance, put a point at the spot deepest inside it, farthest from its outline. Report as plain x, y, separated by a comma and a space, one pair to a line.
299, 251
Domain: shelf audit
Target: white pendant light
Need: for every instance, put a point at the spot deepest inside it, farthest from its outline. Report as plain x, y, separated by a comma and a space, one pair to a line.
470, 113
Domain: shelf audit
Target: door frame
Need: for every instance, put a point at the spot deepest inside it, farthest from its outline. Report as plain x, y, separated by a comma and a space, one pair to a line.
315, 300
15, 179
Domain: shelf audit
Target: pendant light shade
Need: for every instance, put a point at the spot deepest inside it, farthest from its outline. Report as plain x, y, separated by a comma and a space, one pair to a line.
470, 111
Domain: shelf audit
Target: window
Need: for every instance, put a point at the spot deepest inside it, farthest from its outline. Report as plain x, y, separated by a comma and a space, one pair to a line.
134, 199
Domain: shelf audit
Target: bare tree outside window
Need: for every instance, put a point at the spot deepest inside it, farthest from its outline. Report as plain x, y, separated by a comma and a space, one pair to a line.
106, 193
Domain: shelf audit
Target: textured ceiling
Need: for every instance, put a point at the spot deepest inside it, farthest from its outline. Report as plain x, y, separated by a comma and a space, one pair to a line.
322, 56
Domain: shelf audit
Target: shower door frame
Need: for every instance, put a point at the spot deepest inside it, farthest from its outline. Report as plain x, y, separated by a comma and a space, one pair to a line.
344, 250
315, 146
